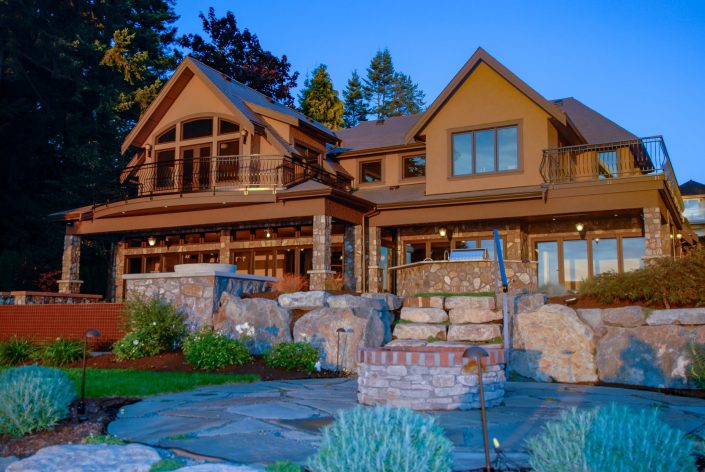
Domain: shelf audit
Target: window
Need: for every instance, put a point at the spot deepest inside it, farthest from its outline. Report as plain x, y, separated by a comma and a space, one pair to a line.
604, 256
165, 169
168, 136
607, 162
633, 250
484, 151
575, 263
197, 128
371, 171
547, 256
308, 153
413, 166
225, 127
228, 165
481, 244
414, 252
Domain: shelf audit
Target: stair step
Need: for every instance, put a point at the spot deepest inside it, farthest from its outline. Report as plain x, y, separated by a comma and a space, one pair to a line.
487, 303
424, 315
473, 315
419, 331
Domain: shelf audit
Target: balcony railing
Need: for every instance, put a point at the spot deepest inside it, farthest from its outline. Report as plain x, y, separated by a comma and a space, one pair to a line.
617, 160
221, 174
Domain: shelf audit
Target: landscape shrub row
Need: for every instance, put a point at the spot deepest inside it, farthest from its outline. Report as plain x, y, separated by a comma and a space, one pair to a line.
59, 352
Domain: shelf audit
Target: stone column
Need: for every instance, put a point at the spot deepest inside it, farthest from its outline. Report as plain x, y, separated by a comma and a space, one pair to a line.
119, 271
71, 265
374, 271
656, 234
350, 259
321, 252
225, 240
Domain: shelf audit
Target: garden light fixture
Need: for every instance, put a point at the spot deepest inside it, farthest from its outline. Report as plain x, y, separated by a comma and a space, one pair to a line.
478, 353
91, 333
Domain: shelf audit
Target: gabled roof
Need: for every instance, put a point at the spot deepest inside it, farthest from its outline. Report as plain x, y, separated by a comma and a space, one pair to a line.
376, 134
692, 187
242, 99
594, 127
482, 56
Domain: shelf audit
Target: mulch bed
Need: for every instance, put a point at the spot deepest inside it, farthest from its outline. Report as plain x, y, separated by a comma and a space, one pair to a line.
174, 362
99, 413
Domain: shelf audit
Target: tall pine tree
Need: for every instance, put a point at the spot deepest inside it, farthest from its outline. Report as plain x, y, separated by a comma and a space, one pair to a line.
388, 92
318, 99
355, 106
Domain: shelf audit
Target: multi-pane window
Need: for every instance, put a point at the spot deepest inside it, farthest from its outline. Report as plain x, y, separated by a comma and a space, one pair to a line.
413, 166
225, 127
607, 162
197, 128
486, 150
168, 136
371, 171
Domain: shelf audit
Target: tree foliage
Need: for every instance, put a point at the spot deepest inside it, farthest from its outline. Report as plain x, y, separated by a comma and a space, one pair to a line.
355, 106
390, 93
74, 77
318, 99
239, 54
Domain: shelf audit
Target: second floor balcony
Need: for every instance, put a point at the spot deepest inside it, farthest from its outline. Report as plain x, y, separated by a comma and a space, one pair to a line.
222, 174
616, 160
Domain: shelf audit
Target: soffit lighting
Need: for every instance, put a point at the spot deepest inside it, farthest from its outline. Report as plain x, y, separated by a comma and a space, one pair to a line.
443, 231
152, 241
580, 227
267, 233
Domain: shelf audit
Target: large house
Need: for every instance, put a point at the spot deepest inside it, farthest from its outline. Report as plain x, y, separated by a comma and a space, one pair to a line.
221, 173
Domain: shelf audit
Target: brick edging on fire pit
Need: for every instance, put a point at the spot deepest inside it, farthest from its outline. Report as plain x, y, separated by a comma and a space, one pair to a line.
428, 378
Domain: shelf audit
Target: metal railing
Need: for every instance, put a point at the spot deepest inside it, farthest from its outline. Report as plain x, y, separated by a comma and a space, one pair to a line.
616, 160
220, 173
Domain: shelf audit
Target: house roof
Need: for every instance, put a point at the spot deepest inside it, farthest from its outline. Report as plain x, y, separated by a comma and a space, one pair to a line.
243, 99
594, 127
482, 56
692, 187
376, 133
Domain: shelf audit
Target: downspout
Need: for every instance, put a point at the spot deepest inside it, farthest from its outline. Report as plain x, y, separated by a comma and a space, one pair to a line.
365, 217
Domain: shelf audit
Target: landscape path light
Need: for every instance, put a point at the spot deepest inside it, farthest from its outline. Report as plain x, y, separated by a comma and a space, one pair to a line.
91, 333
478, 354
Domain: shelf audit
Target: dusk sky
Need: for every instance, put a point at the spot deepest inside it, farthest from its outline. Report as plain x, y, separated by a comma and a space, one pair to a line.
641, 64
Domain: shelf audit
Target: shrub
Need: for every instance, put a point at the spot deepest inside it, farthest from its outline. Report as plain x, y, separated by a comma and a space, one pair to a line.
15, 351
667, 280
61, 352
283, 466
335, 283
33, 398
299, 355
359, 439
611, 439
289, 283
209, 350
696, 369
155, 317
135, 345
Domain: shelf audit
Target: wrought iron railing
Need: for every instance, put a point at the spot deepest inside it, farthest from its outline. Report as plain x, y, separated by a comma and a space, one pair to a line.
616, 160
220, 173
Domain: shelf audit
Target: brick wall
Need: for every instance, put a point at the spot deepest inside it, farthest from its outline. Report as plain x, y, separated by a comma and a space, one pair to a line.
48, 322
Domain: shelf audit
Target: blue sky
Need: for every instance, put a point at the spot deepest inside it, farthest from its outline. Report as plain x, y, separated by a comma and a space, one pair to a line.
641, 64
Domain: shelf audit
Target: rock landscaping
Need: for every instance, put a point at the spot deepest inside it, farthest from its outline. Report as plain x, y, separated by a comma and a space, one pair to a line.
628, 345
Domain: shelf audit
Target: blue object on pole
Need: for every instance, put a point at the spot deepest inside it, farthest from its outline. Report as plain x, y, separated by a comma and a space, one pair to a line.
500, 260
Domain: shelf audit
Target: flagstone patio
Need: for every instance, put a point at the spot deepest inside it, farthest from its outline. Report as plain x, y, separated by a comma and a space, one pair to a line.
260, 423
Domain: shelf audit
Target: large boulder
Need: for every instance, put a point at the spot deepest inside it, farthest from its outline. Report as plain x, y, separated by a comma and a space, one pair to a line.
309, 300
319, 327
393, 302
552, 344
529, 302
375, 306
260, 319
654, 356
90, 458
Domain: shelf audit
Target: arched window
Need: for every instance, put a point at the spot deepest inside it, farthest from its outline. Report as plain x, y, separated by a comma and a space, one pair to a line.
197, 128
168, 136
226, 127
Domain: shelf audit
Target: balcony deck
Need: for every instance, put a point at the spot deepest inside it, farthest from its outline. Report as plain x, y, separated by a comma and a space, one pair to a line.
616, 160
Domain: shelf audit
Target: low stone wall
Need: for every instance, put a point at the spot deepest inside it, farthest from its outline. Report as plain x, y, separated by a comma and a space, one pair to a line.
462, 276
197, 294
427, 378
628, 345
22, 297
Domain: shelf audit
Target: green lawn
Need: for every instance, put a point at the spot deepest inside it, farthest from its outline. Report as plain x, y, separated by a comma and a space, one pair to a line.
143, 383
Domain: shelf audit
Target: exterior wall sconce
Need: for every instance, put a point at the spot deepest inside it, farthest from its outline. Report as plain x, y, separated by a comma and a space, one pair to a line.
243, 133
443, 231
580, 227
152, 241
679, 236
670, 235
148, 150
268, 233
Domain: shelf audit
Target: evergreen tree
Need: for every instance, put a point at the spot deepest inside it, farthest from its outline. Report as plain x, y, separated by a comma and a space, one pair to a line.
318, 99
378, 83
355, 105
239, 54
406, 98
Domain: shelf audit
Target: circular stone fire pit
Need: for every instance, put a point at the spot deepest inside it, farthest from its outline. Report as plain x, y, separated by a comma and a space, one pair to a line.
428, 378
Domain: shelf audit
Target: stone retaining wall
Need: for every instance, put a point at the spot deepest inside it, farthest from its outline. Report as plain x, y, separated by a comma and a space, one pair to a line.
462, 276
22, 297
427, 378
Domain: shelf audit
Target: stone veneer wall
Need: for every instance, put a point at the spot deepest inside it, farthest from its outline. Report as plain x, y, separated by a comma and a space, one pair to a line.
197, 295
45, 298
428, 378
462, 276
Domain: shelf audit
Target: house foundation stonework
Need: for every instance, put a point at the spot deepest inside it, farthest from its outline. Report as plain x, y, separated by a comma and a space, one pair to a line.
428, 378
71, 264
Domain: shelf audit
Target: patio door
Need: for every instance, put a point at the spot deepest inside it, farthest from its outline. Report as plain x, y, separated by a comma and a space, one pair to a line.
195, 168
